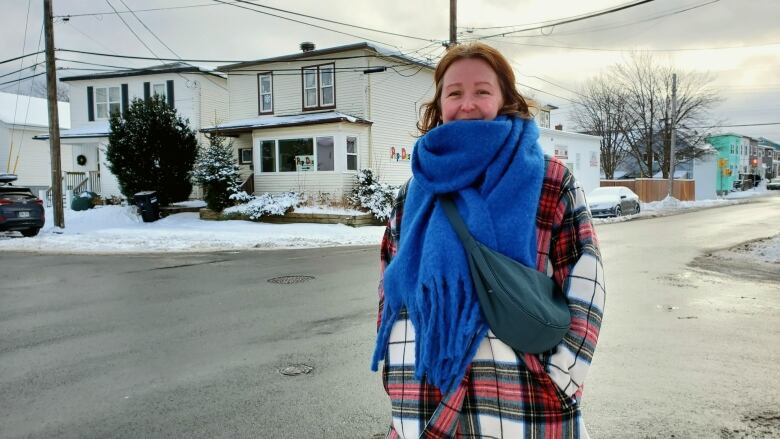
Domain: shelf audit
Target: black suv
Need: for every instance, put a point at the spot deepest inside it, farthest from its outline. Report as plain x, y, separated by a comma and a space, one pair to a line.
20, 210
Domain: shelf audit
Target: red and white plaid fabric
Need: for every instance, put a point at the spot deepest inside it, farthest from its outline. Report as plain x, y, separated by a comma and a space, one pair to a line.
505, 393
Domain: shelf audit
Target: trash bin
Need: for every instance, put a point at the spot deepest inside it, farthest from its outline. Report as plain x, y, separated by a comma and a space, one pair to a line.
83, 201
148, 206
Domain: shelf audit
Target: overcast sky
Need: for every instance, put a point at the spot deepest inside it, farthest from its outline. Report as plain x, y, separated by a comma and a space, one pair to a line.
738, 41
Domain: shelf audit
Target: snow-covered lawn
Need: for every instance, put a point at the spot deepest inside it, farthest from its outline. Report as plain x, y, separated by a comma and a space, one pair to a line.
117, 229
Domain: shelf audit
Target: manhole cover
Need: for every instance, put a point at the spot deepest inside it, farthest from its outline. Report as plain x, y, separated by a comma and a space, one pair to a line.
290, 279
296, 369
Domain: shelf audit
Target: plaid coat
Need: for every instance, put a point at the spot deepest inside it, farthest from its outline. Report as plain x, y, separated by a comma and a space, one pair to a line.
505, 393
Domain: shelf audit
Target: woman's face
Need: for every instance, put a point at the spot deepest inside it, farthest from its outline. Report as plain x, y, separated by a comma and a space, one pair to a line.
470, 90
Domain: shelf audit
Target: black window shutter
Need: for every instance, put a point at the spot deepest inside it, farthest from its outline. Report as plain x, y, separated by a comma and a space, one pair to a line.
147, 91
169, 92
90, 104
125, 100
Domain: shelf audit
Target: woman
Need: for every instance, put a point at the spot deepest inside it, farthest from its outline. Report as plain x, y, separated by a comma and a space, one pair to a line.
445, 372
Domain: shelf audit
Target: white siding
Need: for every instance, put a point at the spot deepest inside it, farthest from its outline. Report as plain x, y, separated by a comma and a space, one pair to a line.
587, 169
213, 100
288, 88
705, 175
395, 102
34, 164
187, 88
388, 99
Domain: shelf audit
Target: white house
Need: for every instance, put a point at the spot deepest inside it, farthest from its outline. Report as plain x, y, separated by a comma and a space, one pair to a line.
310, 120
197, 94
22, 118
580, 153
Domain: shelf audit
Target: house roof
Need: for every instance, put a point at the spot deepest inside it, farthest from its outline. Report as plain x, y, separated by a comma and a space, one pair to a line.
247, 125
90, 130
313, 54
177, 67
29, 111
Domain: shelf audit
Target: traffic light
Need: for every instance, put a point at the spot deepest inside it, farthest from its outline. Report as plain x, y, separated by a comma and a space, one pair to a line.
754, 162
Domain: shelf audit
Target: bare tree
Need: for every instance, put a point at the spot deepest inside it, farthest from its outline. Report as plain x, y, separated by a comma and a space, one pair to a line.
640, 81
694, 100
648, 86
38, 90
601, 111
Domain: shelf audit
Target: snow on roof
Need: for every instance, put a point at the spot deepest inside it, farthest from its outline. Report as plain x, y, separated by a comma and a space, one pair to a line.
30, 111
92, 129
282, 121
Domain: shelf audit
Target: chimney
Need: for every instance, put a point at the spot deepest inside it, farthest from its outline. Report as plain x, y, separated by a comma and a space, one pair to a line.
307, 46
559, 127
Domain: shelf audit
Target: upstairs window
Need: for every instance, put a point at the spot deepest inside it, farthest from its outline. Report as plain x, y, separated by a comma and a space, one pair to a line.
107, 101
159, 89
265, 93
319, 86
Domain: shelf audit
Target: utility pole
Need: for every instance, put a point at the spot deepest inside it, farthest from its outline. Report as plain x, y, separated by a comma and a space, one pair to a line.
54, 119
673, 137
453, 23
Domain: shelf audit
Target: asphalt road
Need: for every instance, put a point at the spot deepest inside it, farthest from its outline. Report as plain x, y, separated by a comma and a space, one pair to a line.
160, 346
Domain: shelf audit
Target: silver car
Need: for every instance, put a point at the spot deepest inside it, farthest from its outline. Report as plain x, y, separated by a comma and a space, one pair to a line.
613, 201
774, 184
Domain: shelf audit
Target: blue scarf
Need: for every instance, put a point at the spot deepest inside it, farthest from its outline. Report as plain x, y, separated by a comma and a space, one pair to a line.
494, 170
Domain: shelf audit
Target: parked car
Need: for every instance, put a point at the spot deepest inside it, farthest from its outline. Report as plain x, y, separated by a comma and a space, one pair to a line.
613, 201
20, 210
774, 184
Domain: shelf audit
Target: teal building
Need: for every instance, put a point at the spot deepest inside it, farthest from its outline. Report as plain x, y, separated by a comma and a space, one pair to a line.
730, 152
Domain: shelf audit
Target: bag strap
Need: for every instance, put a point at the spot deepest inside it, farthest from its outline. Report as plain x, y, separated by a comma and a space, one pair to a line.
457, 222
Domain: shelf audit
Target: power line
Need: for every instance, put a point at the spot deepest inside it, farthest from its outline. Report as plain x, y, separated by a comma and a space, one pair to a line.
92, 14
22, 79
610, 27
545, 92
529, 24
339, 22
572, 20
96, 64
602, 49
221, 61
308, 24
22, 69
72, 26
739, 125
20, 57
147, 28
131, 29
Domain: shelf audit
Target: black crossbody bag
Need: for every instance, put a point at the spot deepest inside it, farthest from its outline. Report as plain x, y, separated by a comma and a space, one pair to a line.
524, 308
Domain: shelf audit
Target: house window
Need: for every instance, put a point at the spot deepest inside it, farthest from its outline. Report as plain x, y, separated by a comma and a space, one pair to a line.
107, 101
268, 156
159, 90
310, 88
245, 156
319, 87
324, 153
352, 154
292, 149
265, 93
326, 86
